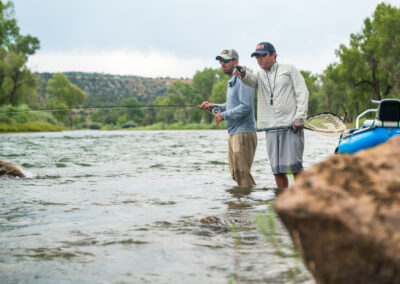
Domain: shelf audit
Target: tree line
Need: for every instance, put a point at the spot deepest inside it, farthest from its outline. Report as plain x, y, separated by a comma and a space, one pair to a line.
368, 67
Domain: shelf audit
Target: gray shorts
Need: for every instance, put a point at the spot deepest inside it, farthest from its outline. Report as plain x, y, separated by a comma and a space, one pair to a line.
285, 150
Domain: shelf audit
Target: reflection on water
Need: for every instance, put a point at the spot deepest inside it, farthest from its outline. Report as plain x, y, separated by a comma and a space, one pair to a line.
127, 207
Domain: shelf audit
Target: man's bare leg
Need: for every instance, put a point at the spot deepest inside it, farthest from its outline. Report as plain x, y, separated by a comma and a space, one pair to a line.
281, 180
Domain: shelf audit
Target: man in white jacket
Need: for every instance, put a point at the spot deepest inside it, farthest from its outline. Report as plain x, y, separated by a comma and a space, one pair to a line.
282, 101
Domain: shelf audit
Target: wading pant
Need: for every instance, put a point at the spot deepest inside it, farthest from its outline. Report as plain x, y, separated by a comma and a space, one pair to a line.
241, 150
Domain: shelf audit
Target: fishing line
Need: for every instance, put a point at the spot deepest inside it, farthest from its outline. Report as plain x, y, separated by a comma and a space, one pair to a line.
105, 107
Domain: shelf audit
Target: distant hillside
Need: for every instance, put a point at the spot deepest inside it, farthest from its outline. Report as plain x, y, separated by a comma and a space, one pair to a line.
105, 89
169, 81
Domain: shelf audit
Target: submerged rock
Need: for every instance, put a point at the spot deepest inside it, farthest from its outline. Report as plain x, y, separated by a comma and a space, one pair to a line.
343, 215
12, 169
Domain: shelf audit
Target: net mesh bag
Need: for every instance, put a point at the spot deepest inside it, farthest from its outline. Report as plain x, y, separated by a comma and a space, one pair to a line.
327, 123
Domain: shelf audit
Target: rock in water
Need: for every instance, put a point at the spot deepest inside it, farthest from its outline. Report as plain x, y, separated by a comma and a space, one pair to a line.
13, 169
343, 215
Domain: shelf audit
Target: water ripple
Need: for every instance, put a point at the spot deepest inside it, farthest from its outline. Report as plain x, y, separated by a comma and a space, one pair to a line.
133, 201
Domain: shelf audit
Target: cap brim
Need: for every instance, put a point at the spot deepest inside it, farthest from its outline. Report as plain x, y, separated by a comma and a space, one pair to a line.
219, 57
260, 52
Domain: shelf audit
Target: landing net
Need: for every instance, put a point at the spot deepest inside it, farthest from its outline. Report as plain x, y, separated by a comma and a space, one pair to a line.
326, 123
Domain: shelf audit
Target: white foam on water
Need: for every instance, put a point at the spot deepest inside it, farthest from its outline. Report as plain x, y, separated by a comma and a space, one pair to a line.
25, 172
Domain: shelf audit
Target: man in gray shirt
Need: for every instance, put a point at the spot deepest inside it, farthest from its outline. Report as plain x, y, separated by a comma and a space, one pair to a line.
238, 111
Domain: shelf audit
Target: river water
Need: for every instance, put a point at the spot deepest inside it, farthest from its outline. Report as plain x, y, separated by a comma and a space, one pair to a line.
127, 207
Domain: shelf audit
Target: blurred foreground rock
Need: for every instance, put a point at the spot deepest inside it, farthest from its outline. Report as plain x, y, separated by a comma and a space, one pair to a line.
12, 169
343, 215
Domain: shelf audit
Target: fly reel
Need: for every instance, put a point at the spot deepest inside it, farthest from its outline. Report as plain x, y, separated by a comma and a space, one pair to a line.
215, 110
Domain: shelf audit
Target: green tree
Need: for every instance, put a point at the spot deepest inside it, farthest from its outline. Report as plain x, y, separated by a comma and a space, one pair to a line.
218, 93
62, 114
149, 115
17, 83
203, 84
62, 89
340, 96
134, 111
182, 95
369, 67
163, 113
386, 27
316, 98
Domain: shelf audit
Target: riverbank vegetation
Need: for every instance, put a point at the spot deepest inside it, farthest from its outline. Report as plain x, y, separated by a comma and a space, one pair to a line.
34, 126
366, 68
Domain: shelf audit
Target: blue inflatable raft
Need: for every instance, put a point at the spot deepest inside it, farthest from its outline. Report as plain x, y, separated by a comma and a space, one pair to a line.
372, 132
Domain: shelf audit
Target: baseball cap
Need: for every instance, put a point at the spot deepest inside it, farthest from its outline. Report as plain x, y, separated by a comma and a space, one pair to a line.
263, 48
228, 54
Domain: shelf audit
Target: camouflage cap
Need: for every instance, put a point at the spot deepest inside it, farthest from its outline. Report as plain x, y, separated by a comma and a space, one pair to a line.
228, 54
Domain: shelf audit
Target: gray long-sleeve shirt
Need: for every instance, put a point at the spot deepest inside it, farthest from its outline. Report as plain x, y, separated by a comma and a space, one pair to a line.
290, 95
238, 111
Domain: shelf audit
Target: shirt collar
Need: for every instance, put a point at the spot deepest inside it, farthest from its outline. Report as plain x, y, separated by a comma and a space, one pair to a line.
232, 81
273, 68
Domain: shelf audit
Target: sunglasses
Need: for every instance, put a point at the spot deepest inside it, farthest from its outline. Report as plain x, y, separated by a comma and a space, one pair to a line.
225, 60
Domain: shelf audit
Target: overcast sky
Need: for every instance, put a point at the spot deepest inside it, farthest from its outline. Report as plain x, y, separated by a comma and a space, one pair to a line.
176, 38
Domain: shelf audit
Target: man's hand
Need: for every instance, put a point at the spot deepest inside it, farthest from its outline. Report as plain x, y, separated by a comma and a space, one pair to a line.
206, 105
297, 125
239, 71
218, 118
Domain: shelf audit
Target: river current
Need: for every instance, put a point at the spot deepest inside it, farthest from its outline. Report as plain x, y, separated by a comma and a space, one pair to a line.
141, 207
